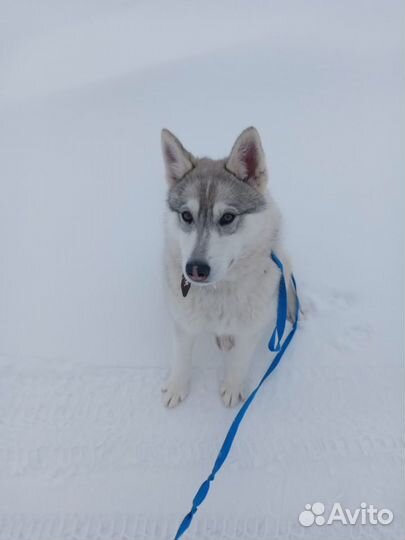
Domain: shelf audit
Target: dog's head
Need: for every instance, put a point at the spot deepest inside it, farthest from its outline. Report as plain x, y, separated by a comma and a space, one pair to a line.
213, 204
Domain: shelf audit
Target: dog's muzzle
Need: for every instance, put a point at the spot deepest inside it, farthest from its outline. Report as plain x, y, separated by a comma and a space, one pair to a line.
197, 270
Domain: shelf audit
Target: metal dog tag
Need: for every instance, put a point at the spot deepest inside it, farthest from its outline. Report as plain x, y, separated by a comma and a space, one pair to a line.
185, 286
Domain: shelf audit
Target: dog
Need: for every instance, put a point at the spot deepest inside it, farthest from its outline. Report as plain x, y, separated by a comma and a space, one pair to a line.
221, 225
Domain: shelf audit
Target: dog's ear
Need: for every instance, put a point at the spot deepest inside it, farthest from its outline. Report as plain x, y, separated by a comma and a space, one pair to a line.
178, 161
247, 160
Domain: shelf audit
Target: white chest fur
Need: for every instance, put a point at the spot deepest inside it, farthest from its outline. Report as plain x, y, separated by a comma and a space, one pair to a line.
244, 303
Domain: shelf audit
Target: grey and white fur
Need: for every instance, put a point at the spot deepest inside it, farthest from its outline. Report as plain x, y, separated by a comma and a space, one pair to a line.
221, 226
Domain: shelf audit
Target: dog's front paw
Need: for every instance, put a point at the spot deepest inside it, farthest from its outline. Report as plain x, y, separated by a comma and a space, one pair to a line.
174, 391
232, 394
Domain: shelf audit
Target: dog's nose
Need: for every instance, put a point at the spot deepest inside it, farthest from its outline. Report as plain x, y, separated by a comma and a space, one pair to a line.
198, 270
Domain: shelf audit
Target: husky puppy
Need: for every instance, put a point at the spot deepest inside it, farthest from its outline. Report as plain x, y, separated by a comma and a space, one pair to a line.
221, 226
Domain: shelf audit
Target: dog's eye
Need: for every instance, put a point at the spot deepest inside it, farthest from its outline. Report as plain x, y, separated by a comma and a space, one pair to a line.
227, 218
187, 217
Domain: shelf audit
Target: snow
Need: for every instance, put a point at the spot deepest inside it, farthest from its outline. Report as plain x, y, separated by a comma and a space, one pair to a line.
86, 449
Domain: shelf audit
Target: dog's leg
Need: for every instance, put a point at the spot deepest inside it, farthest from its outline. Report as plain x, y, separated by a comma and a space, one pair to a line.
237, 362
177, 386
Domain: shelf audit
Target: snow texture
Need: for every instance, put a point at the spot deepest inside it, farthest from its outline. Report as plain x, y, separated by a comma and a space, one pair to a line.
86, 449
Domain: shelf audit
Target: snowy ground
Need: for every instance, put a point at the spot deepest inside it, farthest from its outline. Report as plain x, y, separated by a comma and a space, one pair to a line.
86, 449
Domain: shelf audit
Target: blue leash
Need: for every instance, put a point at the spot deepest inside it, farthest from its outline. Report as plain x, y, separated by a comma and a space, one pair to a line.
275, 345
